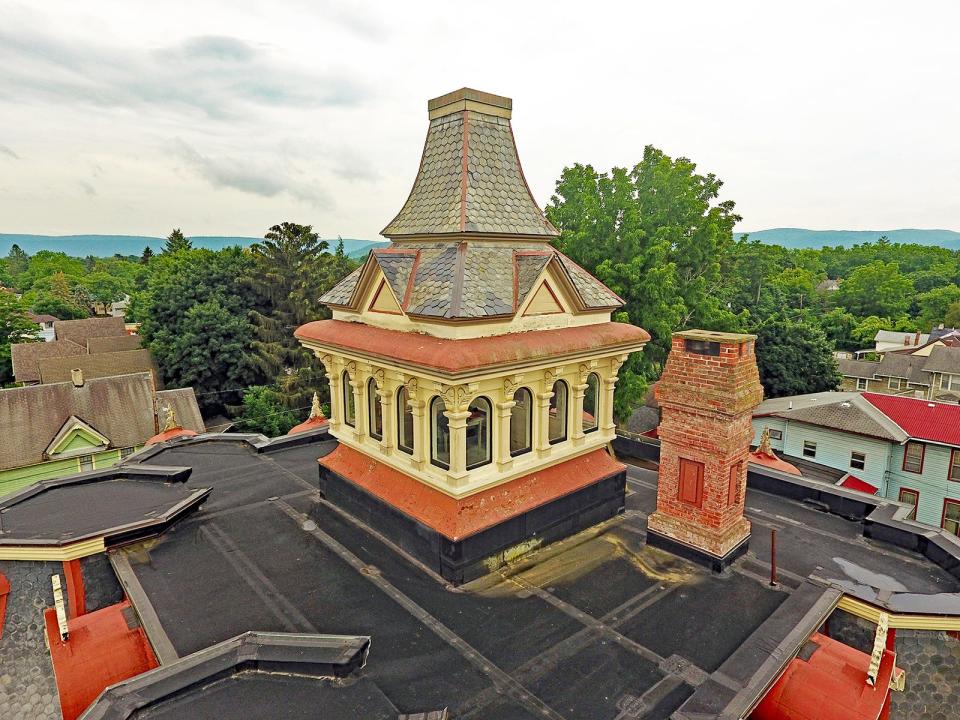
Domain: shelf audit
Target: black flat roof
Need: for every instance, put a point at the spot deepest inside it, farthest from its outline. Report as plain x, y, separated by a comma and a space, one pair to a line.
115, 503
598, 625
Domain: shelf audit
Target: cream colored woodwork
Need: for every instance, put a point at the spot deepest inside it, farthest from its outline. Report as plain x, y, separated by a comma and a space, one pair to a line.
499, 389
543, 302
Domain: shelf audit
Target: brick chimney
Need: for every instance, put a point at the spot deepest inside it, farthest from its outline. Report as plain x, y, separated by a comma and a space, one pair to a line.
707, 394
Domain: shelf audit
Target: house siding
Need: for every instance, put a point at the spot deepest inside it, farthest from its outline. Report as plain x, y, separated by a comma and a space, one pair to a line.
774, 423
14, 479
932, 484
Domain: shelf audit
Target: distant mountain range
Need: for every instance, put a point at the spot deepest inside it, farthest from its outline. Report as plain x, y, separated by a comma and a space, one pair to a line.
107, 245
802, 238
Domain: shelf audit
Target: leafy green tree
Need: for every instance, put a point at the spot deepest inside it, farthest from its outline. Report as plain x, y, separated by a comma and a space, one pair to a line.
933, 305
797, 285
655, 235
15, 327
876, 289
57, 295
838, 325
6, 279
291, 269
794, 358
866, 330
46, 263
264, 412
105, 289
175, 242
17, 260
194, 318
952, 318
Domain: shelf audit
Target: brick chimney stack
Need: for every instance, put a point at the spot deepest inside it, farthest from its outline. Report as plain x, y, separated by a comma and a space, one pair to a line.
707, 394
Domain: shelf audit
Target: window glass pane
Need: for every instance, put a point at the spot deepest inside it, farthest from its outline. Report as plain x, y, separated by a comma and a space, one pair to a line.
951, 517
439, 434
591, 405
478, 433
374, 410
955, 465
558, 413
858, 460
910, 497
349, 408
776, 435
86, 462
521, 417
809, 448
913, 457
405, 424
861, 384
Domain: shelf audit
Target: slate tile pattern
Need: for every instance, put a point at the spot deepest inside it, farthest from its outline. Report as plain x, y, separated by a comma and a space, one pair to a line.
340, 293
497, 199
480, 284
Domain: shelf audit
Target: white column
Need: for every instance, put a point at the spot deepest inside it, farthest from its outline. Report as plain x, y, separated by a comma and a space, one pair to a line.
576, 426
542, 423
504, 411
389, 416
457, 423
607, 425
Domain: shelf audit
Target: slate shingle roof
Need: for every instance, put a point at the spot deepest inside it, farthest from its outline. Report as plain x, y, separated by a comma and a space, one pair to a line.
470, 280
470, 181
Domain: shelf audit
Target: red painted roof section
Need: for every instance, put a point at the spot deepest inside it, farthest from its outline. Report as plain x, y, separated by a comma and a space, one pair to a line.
172, 434
313, 423
457, 519
4, 592
852, 482
102, 649
921, 419
455, 355
772, 461
831, 685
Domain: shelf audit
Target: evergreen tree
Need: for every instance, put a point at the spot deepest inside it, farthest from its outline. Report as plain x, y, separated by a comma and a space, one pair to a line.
17, 260
146, 255
794, 358
175, 242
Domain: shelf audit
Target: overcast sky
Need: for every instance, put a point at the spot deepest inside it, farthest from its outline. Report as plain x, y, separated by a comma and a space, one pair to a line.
225, 118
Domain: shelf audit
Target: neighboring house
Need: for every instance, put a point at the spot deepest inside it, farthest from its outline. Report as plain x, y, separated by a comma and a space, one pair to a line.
891, 340
45, 323
54, 430
930, 372
906, 449
829, 285
98, 346
117, 309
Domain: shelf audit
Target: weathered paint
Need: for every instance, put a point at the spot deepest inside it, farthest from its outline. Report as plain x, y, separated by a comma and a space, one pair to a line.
932, 483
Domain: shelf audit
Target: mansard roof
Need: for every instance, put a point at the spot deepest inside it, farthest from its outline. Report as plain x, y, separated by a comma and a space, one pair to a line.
469, 280
470, 179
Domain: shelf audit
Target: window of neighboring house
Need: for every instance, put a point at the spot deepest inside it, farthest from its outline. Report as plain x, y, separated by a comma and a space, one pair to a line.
86, 462
893, 383
950, 382
913, 454
861, 383
951, 517
910, 497
809, 449
775, 434
126, 452
954, 473
858, 460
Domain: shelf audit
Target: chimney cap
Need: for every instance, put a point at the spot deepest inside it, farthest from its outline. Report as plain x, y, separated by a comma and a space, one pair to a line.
715, 336
469, 99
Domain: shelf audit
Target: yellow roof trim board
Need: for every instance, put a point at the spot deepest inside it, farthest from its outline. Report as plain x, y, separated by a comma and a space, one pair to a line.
73, 551
911, 621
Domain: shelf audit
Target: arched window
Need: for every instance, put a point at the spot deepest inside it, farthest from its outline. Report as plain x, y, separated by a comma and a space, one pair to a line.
439, 434
374, 410
591, 403
478, 433
521, 422
404, 422
349, 407
558, 413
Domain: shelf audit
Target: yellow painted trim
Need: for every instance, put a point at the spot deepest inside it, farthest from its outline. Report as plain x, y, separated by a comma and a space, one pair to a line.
872, 613
74, 551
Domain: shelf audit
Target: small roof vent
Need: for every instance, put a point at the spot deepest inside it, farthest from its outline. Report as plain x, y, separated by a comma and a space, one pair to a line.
931, 404
845, 404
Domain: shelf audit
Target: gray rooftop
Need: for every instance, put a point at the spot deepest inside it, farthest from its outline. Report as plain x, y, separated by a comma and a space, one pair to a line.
850, 414
470, 179
944, 360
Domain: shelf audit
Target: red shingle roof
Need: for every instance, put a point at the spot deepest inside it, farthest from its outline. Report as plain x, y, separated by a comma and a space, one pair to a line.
921, 419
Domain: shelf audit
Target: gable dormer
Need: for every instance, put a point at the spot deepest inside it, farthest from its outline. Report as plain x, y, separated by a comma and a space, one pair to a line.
75, 437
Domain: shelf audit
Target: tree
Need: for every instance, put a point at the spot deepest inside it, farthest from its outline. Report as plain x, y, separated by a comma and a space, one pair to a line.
264, 412
291, 269
105, 289
838, 325
932, 306
175, 242
15, 327
794, 358
876, 289
17, 260
797, 285
655, 235
952, 318
146, 255
58, 295
194, 318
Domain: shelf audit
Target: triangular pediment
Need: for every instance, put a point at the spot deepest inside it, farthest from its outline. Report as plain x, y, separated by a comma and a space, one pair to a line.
75, 437
544, 301
384, 301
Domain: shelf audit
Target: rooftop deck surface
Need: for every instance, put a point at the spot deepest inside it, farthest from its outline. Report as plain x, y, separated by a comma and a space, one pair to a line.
596, 626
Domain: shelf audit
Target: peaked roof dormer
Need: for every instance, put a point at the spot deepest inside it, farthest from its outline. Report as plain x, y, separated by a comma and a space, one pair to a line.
470, 179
